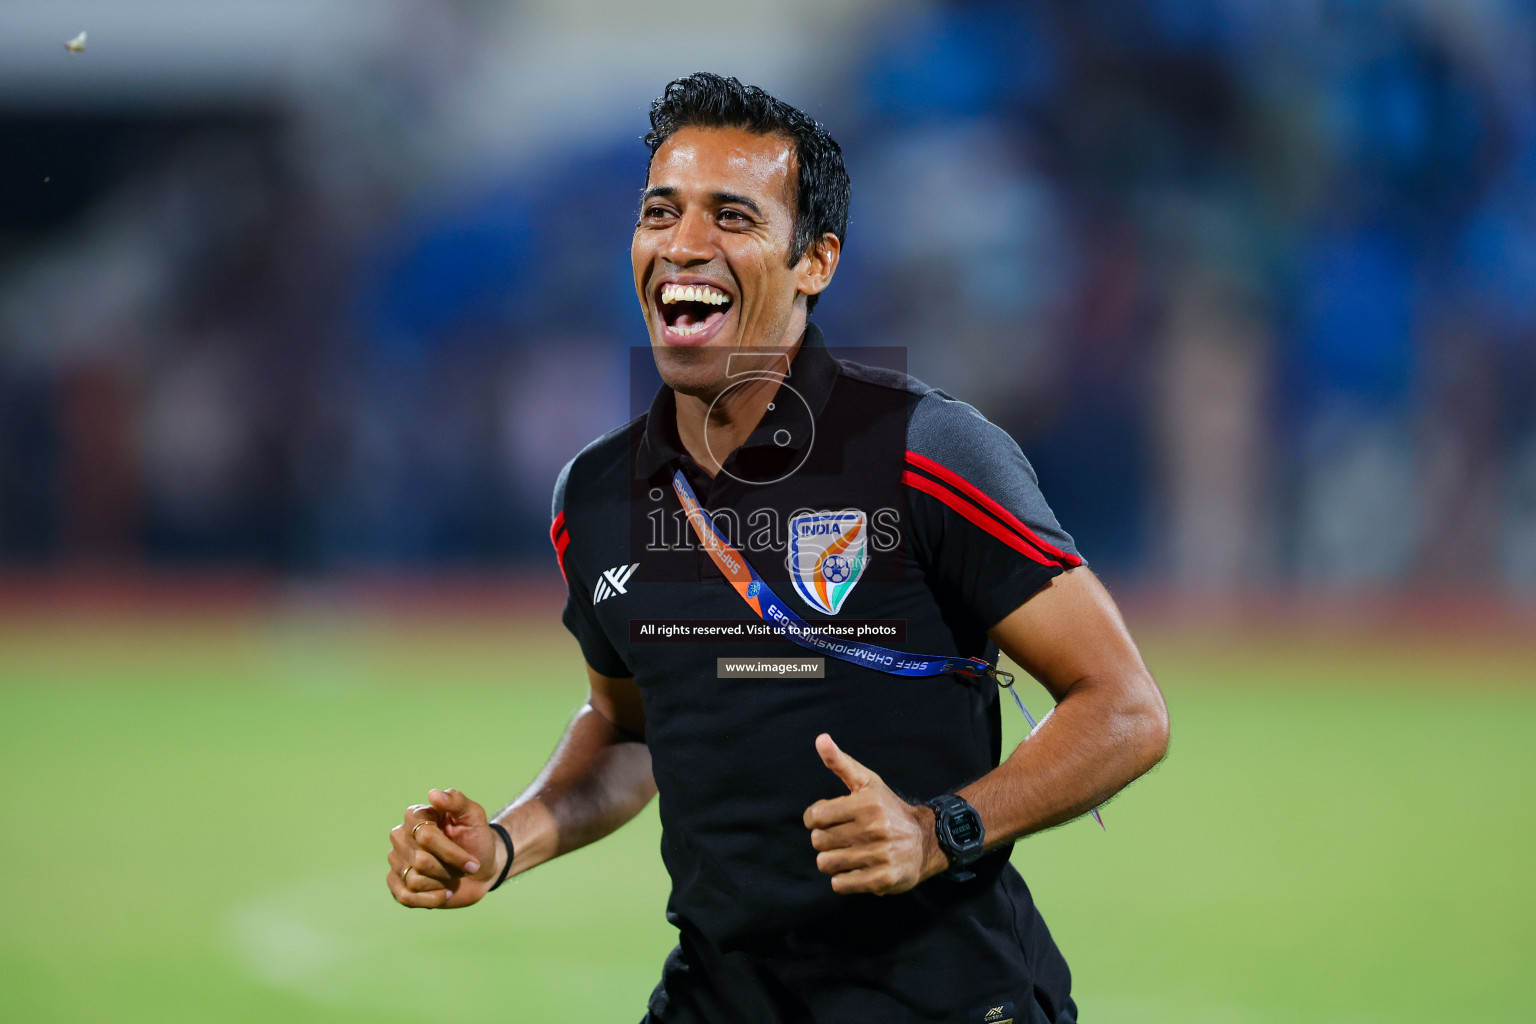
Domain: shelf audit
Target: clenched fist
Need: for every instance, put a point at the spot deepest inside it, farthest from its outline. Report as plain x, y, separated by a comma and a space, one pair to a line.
444, 854
870, 840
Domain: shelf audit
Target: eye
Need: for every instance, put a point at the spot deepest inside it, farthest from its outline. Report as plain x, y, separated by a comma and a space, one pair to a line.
732, 218
655, 213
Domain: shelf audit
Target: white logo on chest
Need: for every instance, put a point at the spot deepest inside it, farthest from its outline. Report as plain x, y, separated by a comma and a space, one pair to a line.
612, 582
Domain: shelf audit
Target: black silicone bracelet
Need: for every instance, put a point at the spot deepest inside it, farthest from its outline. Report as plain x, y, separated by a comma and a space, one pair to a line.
508, 865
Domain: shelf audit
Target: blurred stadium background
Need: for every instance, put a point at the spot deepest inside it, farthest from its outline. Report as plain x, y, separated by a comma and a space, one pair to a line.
303, 303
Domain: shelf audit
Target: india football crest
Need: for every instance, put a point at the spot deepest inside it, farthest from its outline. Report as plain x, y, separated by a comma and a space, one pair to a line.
827, 555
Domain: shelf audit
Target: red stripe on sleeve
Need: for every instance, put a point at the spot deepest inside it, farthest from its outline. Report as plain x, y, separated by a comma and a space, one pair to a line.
974, 514
560, 537
976, 494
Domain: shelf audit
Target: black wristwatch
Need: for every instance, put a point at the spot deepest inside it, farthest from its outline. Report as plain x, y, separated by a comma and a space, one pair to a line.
960, 834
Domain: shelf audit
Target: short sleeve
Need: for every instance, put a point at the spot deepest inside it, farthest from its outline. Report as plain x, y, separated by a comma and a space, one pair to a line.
981, 529
578, 615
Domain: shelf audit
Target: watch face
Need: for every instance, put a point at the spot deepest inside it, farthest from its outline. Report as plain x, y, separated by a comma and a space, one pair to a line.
965, 828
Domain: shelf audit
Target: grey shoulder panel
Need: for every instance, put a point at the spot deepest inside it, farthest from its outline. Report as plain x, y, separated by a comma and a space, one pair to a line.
557, 502
882, 377
967, 445
957, 435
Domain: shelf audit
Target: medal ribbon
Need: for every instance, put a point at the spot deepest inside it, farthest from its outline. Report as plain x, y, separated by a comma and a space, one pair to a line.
754, 590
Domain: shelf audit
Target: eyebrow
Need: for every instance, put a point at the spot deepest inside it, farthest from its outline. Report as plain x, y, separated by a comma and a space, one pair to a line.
668, 192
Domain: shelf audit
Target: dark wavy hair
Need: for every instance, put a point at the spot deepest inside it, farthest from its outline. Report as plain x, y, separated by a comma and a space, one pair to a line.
822, 191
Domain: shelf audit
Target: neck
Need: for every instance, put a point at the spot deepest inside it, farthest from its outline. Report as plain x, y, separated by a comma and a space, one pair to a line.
711, 427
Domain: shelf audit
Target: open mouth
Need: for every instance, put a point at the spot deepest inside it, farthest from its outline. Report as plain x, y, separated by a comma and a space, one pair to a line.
692, 311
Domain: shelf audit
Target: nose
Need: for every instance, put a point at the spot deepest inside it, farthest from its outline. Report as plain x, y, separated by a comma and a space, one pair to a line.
689, 242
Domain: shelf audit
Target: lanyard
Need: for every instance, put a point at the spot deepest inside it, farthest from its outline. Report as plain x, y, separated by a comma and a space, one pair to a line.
771, 609
760, 597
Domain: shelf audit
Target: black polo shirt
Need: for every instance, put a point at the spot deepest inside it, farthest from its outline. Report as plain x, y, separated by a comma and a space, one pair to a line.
863, 497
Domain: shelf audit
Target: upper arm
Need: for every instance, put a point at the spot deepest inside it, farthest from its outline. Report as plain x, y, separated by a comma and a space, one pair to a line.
1071, 631
618, 700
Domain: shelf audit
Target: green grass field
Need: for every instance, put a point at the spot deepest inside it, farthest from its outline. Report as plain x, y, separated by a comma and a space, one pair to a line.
197, 818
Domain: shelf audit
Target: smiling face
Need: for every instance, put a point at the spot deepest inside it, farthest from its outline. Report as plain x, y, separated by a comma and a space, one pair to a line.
711, 254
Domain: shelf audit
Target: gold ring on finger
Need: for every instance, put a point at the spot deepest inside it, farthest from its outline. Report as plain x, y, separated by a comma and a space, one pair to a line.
407, 871
417, 828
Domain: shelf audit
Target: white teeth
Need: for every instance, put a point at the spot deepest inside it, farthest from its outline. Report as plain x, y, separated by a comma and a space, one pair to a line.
671, 293
704, 293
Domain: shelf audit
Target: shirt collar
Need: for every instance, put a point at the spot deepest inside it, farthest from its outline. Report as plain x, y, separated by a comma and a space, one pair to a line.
812, 374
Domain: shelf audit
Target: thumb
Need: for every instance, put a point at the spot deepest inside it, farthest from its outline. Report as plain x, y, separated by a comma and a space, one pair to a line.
854, 775
455, 807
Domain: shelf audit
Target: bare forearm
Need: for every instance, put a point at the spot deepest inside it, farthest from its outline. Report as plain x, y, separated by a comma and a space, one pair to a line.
598, 778
1110, 723
1093, 744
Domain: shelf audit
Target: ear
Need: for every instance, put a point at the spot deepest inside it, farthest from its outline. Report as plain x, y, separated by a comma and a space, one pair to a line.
814, 271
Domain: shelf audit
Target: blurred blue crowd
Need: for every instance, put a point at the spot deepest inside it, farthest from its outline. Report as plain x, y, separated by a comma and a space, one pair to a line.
1254, 286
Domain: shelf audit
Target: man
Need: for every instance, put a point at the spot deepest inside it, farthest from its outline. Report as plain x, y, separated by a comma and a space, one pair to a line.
838, 846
